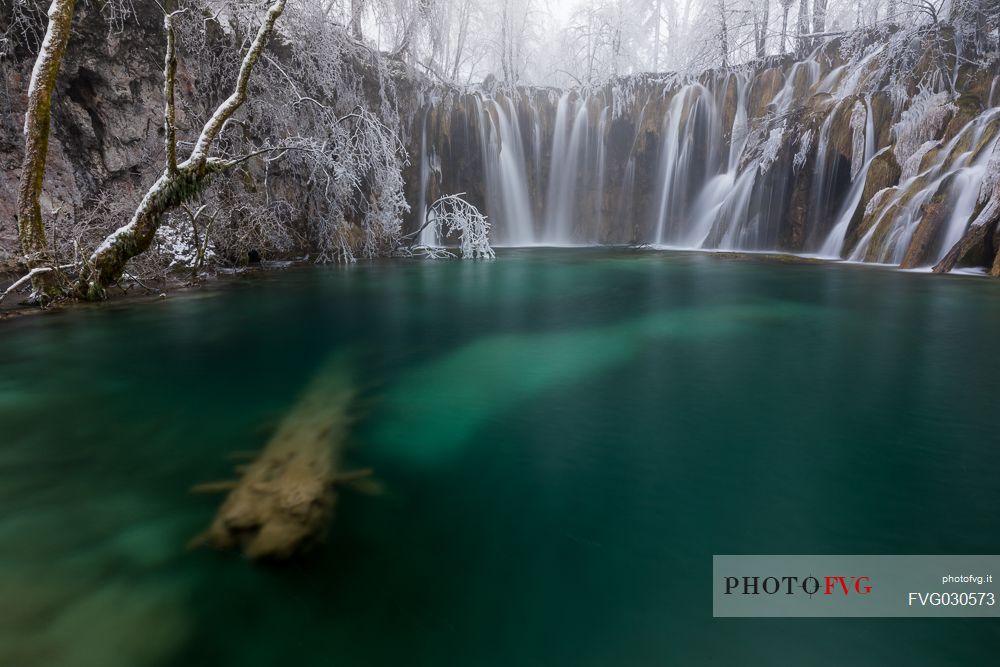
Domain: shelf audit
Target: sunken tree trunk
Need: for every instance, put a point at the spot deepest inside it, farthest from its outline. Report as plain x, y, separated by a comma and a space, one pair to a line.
284, 501
30, 227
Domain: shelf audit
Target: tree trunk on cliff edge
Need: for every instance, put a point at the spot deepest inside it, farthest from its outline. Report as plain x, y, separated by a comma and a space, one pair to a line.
30, 227
723, 31
761, 19
179, 183
786, 5
803, 28
819, 15
357, 11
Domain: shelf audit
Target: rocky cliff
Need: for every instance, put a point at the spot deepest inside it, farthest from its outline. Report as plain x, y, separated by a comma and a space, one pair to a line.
874, 147
106, 127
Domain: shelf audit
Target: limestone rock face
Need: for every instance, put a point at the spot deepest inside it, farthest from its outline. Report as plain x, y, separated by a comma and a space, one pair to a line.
882, 174
766, 156
765, 86
106, 113
927, 238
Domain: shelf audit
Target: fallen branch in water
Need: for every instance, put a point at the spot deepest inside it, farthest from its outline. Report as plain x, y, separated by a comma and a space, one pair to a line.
284, 500
215, 487
31, 274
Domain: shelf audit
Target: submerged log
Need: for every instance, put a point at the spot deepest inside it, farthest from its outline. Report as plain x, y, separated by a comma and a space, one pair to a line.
285, 499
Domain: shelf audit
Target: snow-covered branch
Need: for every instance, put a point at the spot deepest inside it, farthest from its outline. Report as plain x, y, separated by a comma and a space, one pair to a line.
228, 107
169, 80
455, 217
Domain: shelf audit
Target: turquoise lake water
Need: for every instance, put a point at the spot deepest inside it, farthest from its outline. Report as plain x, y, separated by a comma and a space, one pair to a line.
564, 438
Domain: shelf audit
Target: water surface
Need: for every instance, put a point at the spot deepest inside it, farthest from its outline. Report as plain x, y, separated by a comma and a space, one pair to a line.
565, 437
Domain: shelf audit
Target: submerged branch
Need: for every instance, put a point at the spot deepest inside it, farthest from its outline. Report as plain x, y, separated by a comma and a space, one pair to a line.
284, 500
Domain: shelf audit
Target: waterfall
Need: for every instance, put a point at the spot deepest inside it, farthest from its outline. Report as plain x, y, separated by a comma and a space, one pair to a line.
954, 175
833, 247
820, 189
626, 208
601, 141
567, 145
719, 198
691, 133
506, 174
848, 85
803, 76
536, 144
428, 233
774, 159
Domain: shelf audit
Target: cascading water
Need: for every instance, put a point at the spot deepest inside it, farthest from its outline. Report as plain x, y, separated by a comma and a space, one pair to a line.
802, 76
955, 175
778, 159
821, 202
602, 126
506, 174
833, 247
691, 134
428, 232
568, 143
719, 199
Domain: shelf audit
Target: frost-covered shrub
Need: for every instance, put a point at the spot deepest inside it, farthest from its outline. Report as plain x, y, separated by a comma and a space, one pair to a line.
322, 120
805, 145
878, 199
455, 217
911, 167
771, 146
859, 118
990, 179
922, 121
179, 245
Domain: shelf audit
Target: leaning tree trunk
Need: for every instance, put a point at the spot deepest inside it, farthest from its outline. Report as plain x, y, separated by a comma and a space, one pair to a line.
30, 227
170, 191
179, 183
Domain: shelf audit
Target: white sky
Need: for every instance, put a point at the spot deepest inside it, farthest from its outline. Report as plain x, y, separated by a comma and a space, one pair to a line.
561, 9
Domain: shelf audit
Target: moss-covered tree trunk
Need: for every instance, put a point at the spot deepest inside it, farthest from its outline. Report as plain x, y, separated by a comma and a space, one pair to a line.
30, 227
179, 183
170, 191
